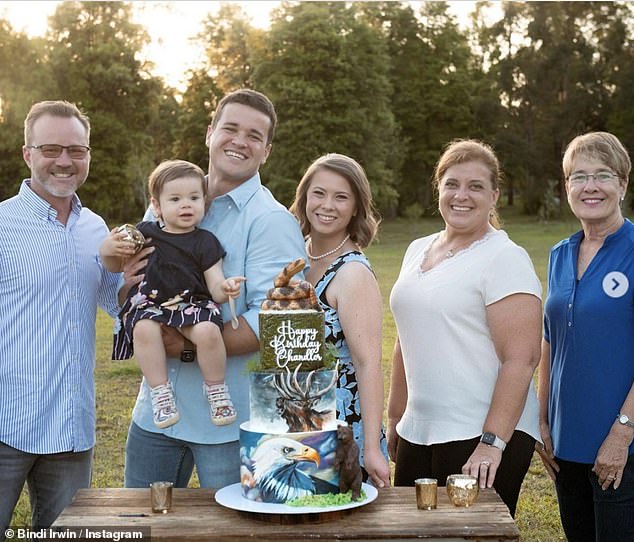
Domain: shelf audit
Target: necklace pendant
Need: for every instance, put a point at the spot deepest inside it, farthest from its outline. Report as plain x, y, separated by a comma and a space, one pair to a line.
449, 254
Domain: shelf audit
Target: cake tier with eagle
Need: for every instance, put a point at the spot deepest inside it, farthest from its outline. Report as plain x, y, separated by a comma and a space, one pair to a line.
288, 447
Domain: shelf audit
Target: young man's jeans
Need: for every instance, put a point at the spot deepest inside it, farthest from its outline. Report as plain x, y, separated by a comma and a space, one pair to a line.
588, 513
152, 457
52, 481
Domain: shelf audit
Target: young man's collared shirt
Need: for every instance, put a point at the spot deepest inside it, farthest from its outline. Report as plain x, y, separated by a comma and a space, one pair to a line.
51, 281
260, 237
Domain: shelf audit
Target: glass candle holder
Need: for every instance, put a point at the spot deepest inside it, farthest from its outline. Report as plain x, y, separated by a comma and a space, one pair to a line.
161, 496
133, 235
426, 493
462, 489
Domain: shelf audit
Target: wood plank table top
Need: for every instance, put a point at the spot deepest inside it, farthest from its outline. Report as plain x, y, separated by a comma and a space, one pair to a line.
195, 516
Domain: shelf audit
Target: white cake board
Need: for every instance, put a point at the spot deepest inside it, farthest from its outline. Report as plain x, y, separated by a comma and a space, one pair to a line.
231, 497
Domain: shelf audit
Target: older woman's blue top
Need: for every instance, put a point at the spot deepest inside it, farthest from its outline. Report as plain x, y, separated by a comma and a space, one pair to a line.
589, 324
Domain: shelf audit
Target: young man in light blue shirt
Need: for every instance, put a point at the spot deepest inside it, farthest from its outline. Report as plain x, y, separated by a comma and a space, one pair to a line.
260, 237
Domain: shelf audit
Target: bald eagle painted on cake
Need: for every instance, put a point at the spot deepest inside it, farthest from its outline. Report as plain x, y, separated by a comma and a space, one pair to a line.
278, 469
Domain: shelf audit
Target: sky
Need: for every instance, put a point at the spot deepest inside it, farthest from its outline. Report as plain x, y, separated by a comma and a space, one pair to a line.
170, 49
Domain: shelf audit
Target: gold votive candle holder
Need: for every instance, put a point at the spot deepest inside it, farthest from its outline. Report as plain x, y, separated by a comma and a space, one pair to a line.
426, 493
462, 489
161, 496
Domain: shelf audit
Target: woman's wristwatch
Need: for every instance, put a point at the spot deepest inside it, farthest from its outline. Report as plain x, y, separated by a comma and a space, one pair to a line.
493, 440
625, 420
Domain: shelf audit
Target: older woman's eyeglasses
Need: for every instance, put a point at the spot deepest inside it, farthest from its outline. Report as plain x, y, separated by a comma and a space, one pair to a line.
75, 152
600, 177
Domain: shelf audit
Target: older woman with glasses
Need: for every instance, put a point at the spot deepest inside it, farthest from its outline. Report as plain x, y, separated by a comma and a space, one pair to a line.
586, 370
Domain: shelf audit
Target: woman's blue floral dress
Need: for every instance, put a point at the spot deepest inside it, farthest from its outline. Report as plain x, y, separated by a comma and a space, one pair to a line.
348, 403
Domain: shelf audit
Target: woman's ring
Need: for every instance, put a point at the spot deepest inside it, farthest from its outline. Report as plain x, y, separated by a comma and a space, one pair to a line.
486, 463
610, 477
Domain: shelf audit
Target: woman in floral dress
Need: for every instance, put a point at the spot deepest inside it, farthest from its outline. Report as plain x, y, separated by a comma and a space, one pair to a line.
334, 206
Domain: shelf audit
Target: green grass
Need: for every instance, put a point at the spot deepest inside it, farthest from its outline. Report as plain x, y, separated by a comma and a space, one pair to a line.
117, 382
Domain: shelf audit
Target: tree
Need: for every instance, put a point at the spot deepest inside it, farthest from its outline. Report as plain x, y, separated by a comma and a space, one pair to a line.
327, 74
229, 39
433, 79
24, 80
93, 49
198, 103
551, 61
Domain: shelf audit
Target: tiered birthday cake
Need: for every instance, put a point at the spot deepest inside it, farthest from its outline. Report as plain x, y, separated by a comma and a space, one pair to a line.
288, 447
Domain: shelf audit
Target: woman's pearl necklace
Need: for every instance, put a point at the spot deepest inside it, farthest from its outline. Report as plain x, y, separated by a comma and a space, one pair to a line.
309, 243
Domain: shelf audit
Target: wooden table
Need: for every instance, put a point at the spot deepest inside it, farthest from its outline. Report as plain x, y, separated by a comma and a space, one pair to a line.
195, 516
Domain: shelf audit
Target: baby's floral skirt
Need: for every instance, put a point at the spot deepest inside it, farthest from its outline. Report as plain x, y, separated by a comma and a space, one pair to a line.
180, 311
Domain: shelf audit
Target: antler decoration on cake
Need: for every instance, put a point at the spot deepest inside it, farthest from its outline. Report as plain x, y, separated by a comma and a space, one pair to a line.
296, 404
291, 294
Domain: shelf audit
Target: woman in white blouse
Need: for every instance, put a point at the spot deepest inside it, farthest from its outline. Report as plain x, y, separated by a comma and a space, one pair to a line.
467, 306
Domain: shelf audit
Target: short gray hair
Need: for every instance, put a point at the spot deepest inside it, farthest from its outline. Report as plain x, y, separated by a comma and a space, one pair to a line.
57, 108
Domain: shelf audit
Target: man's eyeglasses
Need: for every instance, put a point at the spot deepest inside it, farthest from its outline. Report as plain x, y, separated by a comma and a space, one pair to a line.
75, 152
600, 177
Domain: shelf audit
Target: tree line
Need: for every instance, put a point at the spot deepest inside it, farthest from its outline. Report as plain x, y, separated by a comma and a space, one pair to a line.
383, 82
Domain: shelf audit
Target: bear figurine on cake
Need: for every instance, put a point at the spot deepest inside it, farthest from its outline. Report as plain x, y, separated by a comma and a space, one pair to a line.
288, 447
